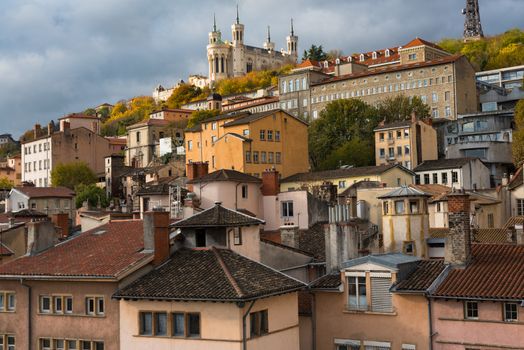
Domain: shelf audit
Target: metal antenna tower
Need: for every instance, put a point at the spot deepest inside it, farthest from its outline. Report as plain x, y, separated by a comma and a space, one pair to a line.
472, 26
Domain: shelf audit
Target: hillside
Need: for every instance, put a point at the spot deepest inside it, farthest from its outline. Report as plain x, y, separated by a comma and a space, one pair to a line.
498, 51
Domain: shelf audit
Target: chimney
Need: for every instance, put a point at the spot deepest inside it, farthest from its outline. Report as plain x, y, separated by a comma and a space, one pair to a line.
328, 192
62, 221
36, 131
194, 170
458, 242
156, 235
41, 235
50, 128
505, 179
413, 117
289, 235
519, 234
64, 125
11, 222
270, 182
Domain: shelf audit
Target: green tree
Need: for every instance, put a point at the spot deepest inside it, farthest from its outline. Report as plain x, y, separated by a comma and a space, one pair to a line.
95, 195
340, 122
400, 107
315, 53
355, 152
90, 112
5, 183
184, 93
71, 175
518, 135
201, 115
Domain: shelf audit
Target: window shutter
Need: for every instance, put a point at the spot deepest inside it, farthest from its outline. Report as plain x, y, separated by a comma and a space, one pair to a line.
380, 295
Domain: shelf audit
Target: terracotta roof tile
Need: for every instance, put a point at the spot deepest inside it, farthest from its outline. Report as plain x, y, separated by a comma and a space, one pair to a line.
5, 250
104, 252
212, 274
218, 216
491, 235
421, 278
42, 192
496, 271
438, 232
341, 173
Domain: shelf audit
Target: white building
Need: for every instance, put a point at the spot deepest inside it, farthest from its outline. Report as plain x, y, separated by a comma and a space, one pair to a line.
467, 173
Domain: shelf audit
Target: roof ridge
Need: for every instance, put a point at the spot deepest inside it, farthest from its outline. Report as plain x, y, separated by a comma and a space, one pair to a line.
228, 274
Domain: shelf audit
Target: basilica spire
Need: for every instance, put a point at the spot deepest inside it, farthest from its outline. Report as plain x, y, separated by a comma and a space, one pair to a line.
238, 19
292, 30
268, 34
214, 22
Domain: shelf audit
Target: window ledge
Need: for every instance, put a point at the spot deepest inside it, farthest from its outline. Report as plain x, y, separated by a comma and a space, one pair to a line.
482, 321
346, 311
68, 315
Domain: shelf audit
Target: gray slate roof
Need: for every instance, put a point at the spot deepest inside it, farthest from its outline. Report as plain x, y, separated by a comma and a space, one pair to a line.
341, 173
218, 216
404, 191
422, 277
443, 164
391, 260
213, 274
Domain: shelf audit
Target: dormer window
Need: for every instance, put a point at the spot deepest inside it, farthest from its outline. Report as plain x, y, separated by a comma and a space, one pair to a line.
337, 61
326, 64
387, 53
362, 57
374, 55
350, 59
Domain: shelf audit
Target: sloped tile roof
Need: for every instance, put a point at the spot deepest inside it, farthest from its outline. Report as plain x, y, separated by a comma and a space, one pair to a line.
226, 175
516, 180
438, 232
491, 235
496, 271
421, 278
218, 216
5, 250
419, 42
44, 192
331, 281
394, 125
209, 274
404, 191
104, 252
341, 173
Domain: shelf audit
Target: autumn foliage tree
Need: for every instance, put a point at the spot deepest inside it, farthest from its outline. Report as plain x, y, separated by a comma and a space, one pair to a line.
125, 114
518, 135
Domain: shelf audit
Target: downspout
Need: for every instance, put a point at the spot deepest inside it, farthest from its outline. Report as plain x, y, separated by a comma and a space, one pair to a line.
314, 323
430, 324
29, 314
244, 317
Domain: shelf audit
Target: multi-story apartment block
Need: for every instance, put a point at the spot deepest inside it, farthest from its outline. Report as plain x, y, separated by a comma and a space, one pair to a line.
250, 143
407, 142
445, 82
486, 135
12, 170
52, 200
80, 144
178, 115
508, 78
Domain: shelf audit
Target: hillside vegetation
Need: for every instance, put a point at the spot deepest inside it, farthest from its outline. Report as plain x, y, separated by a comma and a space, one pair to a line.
499, 51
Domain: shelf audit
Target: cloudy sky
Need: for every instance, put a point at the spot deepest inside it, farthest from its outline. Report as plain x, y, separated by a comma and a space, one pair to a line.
62, 56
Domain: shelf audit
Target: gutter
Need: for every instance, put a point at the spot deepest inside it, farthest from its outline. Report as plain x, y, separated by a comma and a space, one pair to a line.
244, 325
29, 313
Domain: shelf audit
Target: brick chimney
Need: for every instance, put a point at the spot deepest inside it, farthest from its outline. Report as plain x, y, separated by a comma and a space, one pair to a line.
64, 125
61, 220
156, 235
289, 235
194, 170
458, 242
37, 130
270, 182
50, 129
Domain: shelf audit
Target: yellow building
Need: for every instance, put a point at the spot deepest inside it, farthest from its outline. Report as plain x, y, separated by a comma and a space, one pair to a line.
250, 143
390, 175
408, 143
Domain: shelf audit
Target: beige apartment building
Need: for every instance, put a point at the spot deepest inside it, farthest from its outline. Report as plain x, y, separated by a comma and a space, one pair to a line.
443, 81
250, 143
408, 143
42, 154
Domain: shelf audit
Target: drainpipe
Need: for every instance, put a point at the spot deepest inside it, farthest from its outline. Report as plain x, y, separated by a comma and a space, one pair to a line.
430, 324
29, 314
244, 317
314, 322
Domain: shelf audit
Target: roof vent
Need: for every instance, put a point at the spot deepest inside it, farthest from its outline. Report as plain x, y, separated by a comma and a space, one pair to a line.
218, 203
99, 233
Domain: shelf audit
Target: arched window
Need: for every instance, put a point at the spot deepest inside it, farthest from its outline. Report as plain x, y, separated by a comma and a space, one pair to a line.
362, 57
374, 55
387, 53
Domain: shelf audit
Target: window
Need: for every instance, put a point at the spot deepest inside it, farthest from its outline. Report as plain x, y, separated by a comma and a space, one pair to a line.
447, 111
255, 157
7, 301
287, 209
391, 152
454, 177
270, 135
146, 323
491, 220
160, 323
399, 207
71, 344
417, 179
346, 344
178, 328
45, 304
244, 191
520, 207
399, 150
426, 179
399, 134
434, 112
408, 248
45, 344
444, 178
435, 178
262, 135
357, 299
471, 310
413, 207
381, 298
95, 306
248, 157
446, 96
382, 153
412, 56
258, 322
263, 157
381, 136
277, 136
406, 150
214, 126
390, 135
245, 132
59, 344
511, 312
193, 325
342, 184
189, 145
237, 236
385, 206
278, 157
270, 157
68, 305
138, 137
58, 305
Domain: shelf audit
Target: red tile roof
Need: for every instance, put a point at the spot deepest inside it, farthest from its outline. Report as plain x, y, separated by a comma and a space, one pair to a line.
419, 42
107, 251
44, 192
5, 251
79, 116
496, 271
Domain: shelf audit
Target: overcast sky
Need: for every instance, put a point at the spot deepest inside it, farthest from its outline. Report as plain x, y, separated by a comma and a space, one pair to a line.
62, 56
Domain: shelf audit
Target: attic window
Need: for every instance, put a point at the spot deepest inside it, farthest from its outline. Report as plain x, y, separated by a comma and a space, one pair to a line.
326, 64
387, 52
337, 61
350, 59
374, 55
361, 57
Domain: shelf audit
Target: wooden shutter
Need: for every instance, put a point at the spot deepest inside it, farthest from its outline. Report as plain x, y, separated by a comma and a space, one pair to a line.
380, 295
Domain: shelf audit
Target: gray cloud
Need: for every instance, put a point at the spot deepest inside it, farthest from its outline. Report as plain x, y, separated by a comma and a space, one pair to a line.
61, 56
